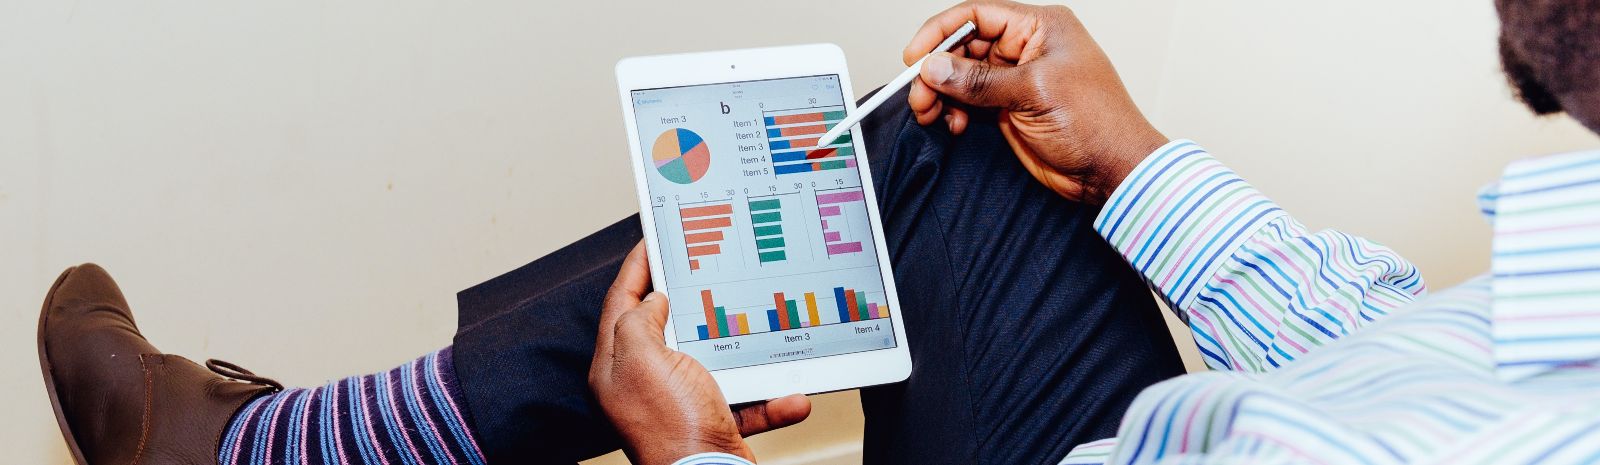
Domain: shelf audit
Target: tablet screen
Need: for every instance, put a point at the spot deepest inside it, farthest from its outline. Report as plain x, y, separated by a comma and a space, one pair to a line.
765, 240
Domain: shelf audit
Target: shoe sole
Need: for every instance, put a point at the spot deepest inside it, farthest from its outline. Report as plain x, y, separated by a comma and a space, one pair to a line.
49, 376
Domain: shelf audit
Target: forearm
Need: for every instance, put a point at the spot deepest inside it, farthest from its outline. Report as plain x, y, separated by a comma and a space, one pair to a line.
1256, 288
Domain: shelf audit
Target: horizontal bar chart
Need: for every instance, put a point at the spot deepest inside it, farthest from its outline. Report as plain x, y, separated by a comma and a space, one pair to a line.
705, 229
792, 138
830, 210
766, 220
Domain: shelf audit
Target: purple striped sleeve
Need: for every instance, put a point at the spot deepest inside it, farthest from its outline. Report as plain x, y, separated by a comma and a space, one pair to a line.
1256, 288
1179, 215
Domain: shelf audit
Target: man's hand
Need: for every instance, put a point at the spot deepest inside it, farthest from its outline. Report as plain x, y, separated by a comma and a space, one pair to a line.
664, 403
1061, 105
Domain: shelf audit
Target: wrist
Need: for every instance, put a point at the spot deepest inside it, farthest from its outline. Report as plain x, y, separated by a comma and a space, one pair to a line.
667, 452
1122, 158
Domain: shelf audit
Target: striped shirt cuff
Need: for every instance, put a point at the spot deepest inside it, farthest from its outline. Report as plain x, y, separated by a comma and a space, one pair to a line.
1178, 217
713, 458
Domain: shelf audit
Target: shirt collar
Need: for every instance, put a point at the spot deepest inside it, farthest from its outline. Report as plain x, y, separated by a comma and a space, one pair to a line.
1546, 263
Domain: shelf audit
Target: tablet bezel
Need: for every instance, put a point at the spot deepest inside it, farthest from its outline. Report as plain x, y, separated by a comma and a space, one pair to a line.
822, 374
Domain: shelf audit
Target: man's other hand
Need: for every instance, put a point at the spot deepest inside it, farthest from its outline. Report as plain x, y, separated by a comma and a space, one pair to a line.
1061, 105
664, 403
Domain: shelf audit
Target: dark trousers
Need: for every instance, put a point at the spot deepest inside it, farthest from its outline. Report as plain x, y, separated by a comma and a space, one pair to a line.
1028, 334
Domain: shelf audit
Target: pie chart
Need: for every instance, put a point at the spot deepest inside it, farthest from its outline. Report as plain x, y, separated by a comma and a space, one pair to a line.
681, 156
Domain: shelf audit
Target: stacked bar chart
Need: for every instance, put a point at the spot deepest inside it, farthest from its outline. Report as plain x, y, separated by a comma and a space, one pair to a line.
792, 138
831, 206
766, 219
705, 226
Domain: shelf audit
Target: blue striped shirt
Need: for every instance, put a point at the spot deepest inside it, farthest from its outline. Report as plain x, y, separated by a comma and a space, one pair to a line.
1326, 348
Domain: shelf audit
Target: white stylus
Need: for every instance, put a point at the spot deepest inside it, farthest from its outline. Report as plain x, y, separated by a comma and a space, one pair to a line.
892, 87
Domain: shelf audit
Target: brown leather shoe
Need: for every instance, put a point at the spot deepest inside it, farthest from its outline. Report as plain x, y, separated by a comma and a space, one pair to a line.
117, 399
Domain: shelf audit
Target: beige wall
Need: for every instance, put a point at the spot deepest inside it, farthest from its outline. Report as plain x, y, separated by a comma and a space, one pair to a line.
301, 186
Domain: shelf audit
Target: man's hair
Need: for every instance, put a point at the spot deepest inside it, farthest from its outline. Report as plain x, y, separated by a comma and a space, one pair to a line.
1550, 48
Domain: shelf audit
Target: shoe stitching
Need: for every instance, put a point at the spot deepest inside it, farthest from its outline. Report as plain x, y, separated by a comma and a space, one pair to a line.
149, 394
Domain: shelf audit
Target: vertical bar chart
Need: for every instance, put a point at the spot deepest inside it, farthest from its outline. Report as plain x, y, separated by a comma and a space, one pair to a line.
831, 207
792, 138
766, 219
718, 322
705, 226
853, 306
785, 313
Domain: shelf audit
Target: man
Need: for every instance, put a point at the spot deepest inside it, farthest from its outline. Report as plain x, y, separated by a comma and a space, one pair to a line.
1259, 291
1325, 347
1030, 336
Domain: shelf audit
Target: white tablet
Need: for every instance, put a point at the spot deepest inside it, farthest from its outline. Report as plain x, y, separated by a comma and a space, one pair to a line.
769, 247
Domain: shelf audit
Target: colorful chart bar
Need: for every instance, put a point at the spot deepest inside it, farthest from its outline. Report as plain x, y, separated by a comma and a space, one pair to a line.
801, 155
787, 313
781, 311
817, 166
837, 197
704, 228
811, 309
718, 322
712, 319
792, 139
853, 306
807, 117
829, 205
766, 217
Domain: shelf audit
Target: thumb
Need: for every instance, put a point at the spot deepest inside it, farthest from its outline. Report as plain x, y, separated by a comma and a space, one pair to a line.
642, 325
974, 82
772, 414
